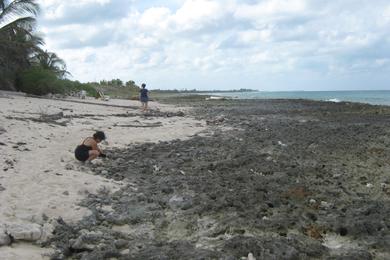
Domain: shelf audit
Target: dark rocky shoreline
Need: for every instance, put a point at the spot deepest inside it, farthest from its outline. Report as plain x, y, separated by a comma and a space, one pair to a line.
271, 177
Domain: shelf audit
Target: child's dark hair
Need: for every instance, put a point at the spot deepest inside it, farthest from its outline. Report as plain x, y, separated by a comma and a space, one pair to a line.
143, 85
99, 135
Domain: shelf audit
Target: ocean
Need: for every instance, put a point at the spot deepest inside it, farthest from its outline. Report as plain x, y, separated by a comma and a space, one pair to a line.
375, 97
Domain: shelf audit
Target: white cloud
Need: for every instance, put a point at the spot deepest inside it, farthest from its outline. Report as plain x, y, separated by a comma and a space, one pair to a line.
155, 18
254, 36
196, 13
55, 9
270, 8
107, 39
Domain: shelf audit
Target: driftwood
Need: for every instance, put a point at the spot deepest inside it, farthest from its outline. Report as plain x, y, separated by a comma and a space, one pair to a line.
157, 124
84, 102
44, 118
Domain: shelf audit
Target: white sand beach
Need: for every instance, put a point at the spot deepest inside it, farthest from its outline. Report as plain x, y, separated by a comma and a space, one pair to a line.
39, 178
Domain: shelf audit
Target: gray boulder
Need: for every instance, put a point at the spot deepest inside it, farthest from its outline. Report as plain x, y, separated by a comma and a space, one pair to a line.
26, 232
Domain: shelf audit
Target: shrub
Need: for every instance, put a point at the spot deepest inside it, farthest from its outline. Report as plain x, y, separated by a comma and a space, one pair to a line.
39, 81
76, 86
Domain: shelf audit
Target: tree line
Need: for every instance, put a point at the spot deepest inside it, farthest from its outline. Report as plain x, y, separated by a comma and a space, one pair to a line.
116, 83
24, 63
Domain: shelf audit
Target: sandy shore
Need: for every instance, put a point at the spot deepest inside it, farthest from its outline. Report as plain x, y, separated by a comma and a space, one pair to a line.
276, 179
40, 179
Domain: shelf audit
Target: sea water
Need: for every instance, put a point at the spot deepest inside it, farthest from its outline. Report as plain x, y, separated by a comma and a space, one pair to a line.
375, 97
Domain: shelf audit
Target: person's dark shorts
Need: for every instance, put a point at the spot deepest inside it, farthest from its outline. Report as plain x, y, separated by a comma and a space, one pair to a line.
144, 99
82, 153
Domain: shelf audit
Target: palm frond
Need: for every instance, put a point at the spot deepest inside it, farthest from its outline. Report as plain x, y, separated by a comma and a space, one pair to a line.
2, 5
19, 8
50, 61
26, 23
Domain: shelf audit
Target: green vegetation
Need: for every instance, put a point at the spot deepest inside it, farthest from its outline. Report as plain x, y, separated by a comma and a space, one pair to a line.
76, 86
40, 81
115, 88
18, 43
24, 65
50, 61
119, 92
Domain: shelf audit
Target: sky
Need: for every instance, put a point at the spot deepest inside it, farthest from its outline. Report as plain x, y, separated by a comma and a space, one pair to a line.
272, 45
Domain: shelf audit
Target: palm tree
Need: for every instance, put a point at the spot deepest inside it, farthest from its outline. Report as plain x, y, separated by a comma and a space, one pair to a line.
50, 61
17, 40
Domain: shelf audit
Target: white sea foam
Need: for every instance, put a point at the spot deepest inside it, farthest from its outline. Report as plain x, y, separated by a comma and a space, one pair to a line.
335, 100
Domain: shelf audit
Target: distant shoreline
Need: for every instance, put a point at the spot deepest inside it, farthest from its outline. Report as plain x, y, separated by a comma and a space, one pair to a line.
194, 91
373, 97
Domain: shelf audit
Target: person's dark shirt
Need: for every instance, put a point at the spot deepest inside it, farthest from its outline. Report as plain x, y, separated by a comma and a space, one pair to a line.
144, 93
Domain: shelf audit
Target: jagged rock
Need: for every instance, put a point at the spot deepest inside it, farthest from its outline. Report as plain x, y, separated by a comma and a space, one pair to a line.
178, 202
216, 121
355, 254
125, 252
325, 205
120, 243
79, 243
47, 232
120, 160
228, 179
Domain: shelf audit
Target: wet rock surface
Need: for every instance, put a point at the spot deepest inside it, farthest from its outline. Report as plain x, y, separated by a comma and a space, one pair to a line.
271, 178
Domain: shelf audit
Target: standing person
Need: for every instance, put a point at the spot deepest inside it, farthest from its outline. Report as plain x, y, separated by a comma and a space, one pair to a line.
143, 97
88, 149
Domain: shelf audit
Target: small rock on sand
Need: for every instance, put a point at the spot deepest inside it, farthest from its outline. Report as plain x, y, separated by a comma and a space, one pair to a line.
69, 167
5, 240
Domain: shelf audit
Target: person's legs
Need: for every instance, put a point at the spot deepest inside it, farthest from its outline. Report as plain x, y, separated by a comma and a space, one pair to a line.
93, 154
146, 106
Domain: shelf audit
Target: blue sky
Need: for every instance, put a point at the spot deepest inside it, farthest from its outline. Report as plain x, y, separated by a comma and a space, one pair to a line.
224, 44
